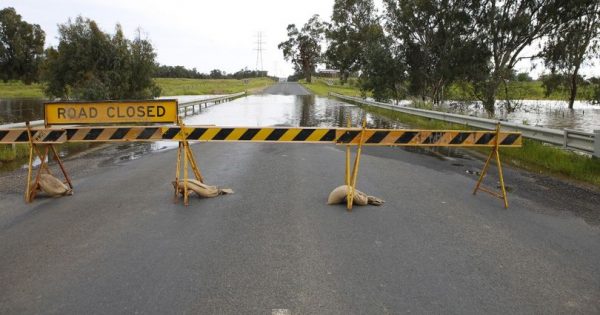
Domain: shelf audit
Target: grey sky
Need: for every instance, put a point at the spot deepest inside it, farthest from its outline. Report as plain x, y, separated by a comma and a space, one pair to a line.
213, 34
202, 34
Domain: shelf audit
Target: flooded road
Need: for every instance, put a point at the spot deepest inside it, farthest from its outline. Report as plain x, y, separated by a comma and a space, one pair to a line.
264, 110
267, 110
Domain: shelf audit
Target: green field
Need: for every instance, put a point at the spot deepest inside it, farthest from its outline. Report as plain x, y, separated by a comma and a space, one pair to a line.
178, 86
532, 90
321, 88
16, 89
169, 86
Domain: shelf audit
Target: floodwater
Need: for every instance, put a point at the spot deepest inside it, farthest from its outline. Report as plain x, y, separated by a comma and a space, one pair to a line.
250, 111
284, 110
28, 109
21, 109
305, 111
550, 114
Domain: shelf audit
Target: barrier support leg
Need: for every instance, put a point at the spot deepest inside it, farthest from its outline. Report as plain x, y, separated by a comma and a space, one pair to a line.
347, 174
177, 172
185, 155
43, 155
496, 152
352, 186
185, 179
62, 167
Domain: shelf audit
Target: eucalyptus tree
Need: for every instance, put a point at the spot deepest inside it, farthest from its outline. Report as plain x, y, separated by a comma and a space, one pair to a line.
437, 40
382, 67
303, 47
506, 28
575, 40
350, 30
21, 47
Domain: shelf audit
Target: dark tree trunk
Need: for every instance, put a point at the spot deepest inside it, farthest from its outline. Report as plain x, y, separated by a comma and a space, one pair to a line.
489, 98
573, 88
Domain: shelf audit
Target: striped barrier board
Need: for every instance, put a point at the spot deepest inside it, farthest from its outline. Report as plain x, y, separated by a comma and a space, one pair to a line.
346, 136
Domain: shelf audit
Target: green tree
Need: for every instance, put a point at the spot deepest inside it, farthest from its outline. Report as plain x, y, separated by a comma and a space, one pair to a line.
382, 70
351, 22
303, 47
523, 77
437, 41
89, 64
569, 45
506, 28
21, 47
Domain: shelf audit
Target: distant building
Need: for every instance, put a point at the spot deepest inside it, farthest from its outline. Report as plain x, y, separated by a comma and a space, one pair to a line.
328, 73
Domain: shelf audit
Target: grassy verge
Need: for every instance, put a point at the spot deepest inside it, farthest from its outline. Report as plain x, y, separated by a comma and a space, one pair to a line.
169, 86
180, 86
321, 88
8, 153
532, 90
533, 156
16, 89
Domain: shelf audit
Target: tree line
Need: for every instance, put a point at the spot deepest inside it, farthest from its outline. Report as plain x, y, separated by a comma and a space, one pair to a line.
421, 47
88, 63
163, 71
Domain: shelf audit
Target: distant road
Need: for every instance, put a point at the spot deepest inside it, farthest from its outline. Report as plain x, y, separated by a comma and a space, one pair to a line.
287, 88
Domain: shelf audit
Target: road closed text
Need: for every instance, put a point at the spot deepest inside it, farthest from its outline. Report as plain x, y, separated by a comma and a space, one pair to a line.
155, 111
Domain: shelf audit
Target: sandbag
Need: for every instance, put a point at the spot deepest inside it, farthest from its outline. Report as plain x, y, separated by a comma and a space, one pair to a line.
52, 186
338, 195
203, 190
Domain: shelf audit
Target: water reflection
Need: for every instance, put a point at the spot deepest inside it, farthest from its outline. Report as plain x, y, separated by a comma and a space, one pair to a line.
21, 109
288, 110
550, 114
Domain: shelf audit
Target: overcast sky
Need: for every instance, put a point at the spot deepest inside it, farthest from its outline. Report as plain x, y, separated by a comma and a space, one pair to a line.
205, 34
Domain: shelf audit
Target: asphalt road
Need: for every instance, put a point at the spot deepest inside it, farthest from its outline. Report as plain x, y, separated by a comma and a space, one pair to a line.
287, 88
119, 245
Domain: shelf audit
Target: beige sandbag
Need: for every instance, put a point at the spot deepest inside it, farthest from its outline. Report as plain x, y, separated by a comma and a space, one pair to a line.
338, 195
53, 186
203, 190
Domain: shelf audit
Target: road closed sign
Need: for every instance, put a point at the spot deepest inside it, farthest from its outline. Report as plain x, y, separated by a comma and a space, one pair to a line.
109, 112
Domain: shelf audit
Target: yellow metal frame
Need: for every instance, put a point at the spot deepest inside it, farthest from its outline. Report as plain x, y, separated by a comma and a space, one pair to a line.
351, 177
185, 155
34, 151
496, 152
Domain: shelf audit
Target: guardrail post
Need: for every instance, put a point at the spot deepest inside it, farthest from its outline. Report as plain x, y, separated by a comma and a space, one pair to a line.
597, 143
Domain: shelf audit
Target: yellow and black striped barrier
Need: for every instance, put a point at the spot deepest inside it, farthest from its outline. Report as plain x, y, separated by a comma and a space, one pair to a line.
343, 136
41, 142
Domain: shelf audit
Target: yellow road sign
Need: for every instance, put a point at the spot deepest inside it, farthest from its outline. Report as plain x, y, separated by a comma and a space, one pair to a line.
78, 113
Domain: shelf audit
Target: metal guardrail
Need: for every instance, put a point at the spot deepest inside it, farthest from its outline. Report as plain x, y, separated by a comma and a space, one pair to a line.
185, 107
576, 140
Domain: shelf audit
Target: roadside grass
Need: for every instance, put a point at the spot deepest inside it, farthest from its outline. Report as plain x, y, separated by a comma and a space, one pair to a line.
181, 86
533, 156
531, 90
528, 90
169, 86
17, 89
321, 88
8, 153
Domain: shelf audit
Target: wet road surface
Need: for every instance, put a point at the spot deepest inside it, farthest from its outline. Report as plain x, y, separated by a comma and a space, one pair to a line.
119, 245
287, 88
